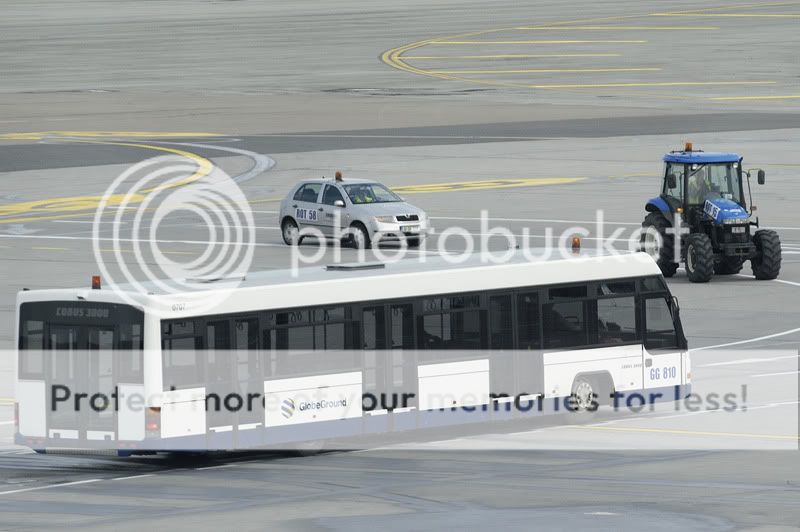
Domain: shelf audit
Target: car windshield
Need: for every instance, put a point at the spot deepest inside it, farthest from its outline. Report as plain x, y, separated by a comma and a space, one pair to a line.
370, 193
709, 181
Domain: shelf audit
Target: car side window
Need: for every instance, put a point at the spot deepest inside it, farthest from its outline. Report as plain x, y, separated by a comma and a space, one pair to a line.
331, 195
308, 192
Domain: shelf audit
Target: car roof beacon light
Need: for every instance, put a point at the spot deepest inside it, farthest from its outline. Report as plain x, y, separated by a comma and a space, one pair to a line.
96, 283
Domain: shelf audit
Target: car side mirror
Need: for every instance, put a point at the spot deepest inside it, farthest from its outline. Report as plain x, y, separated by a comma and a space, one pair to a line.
761, 177
672, 182
338, 203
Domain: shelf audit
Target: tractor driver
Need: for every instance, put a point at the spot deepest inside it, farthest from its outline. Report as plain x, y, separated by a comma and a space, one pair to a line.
699, 186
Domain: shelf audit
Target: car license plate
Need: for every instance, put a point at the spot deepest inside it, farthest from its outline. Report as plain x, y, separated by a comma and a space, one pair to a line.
410, 228
738, 229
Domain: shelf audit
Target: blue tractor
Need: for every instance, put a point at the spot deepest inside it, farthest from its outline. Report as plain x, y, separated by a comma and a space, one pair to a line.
703, 200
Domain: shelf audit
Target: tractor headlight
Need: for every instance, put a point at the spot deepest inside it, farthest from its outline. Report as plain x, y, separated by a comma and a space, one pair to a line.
736, 221
384, 219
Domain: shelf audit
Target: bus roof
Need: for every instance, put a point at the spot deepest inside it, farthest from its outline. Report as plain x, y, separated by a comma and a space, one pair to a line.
324, 285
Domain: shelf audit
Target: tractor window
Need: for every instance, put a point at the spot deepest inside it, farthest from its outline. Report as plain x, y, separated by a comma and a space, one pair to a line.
724, 181
678, 170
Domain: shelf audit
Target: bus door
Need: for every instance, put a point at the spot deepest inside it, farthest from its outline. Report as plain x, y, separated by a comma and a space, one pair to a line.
662, 354
220, 384
235, 408
79, 361
390, 370
249, 383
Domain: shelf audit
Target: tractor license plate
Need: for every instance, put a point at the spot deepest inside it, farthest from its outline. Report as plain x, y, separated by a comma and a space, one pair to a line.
410, 229
741, 229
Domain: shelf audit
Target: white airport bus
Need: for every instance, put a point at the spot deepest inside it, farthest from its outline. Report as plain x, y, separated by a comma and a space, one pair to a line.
346, 350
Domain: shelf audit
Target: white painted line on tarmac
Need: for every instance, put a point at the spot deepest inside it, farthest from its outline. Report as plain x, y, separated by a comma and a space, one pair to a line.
746, 361
795, 372
545, 220
135, 476
6, 422
50, 486
749, 341
140, 240
116, 222
214, 467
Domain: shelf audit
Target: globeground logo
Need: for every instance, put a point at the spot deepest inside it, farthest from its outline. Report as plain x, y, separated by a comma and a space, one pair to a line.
287, 408
150, 205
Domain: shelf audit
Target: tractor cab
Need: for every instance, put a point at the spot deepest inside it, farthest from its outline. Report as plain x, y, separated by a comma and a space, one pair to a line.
704, 193
706, 186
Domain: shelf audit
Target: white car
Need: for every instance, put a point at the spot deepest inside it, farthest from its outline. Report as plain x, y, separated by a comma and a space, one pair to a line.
367, 212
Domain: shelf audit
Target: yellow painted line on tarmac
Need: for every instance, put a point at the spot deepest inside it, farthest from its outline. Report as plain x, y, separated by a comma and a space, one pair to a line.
265, 200
623, 28
731, 15
90, 203
506, 56
39, 135
546, 71
571, 41
6, 399
632, 175
47, 248
787, 97
649, 84
484, 184
691, 432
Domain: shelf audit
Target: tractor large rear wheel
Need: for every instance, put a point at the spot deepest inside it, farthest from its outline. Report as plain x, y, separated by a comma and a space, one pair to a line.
663, 251
728, 266
767, 262
699, 258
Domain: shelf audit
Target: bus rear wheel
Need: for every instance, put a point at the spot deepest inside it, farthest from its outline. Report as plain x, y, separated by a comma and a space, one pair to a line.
584, 396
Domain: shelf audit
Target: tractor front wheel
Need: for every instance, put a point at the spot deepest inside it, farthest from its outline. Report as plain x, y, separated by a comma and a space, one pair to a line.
661, 249
767, 262
699, 258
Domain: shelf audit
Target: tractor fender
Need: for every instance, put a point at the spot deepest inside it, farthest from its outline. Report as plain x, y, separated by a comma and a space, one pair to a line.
659, 204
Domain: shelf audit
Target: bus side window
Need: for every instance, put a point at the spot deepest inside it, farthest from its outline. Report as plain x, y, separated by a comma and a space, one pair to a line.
500, 323
659, 325
565, 325
31, 344
181, 349
616, 320
528, 319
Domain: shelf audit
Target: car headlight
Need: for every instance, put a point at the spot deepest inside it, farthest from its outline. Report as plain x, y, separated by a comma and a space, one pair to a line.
735, 221
384, 219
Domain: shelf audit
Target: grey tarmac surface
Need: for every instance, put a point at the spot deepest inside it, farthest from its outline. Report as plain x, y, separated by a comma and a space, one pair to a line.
304, 84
